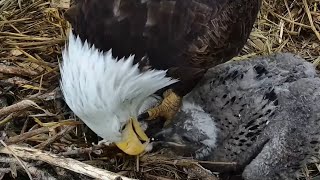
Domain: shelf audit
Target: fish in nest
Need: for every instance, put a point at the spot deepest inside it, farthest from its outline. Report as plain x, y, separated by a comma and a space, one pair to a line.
261, 113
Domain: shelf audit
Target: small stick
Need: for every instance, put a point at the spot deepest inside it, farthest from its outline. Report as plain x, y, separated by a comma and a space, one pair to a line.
54, 138
306, 7
137, 163
67, 163
33, 170
6, 119
217, 163
21, 137
20, 106
5, 170
180, 162
288, 20
20, 162
16, 71
82, 150
24, 127
197, 171
150, 176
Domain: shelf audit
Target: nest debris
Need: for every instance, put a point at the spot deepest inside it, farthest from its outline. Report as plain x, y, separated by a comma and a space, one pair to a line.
34, 118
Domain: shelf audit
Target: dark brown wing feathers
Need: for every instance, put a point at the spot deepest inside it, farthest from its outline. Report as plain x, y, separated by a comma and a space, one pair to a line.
180, 35
227, 32
102, 24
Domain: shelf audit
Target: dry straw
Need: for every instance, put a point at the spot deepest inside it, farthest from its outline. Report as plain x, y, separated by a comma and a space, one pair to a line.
34, 118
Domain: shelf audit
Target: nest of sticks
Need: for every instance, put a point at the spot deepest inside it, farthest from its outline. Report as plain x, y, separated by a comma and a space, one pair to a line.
41, 139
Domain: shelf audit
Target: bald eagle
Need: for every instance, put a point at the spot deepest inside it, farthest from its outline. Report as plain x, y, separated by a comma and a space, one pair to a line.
122, 51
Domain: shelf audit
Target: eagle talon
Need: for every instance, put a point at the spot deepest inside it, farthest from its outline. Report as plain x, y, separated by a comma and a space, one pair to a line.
167, 109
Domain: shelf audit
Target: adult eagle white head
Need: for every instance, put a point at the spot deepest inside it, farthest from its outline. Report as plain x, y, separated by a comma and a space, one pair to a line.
107, 93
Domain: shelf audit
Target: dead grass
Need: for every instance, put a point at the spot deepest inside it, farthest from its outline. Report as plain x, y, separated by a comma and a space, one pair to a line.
31, 36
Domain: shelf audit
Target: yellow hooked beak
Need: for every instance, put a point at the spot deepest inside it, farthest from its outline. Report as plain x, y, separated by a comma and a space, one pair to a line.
131, 136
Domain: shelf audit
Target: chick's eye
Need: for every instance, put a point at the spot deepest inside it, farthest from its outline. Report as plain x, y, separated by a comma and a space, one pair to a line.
186, 139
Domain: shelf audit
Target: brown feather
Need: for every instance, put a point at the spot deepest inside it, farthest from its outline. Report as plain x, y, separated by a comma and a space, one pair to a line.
185, 36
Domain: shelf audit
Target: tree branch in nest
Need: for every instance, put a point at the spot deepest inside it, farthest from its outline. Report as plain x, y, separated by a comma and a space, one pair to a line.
55, 137
192, 167
22, 137
67, 163
94, 149
35, 172
197, 171
17, 71
20, 106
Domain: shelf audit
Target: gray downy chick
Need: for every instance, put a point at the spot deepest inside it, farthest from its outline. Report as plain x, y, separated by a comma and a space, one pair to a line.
193, 132
261, 113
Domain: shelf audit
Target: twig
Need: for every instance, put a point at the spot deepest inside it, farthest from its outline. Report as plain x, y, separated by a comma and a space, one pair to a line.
197, 171
17, 81
6, 119
95, 149
179, 162
137, 163
22, 137
4, 170
306, 7
31, 58
67, 163
20, 162
55, 137
150, 176
290, 21
38, 173
20, 106
217, 163
24, 127
54, 94
17, 71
